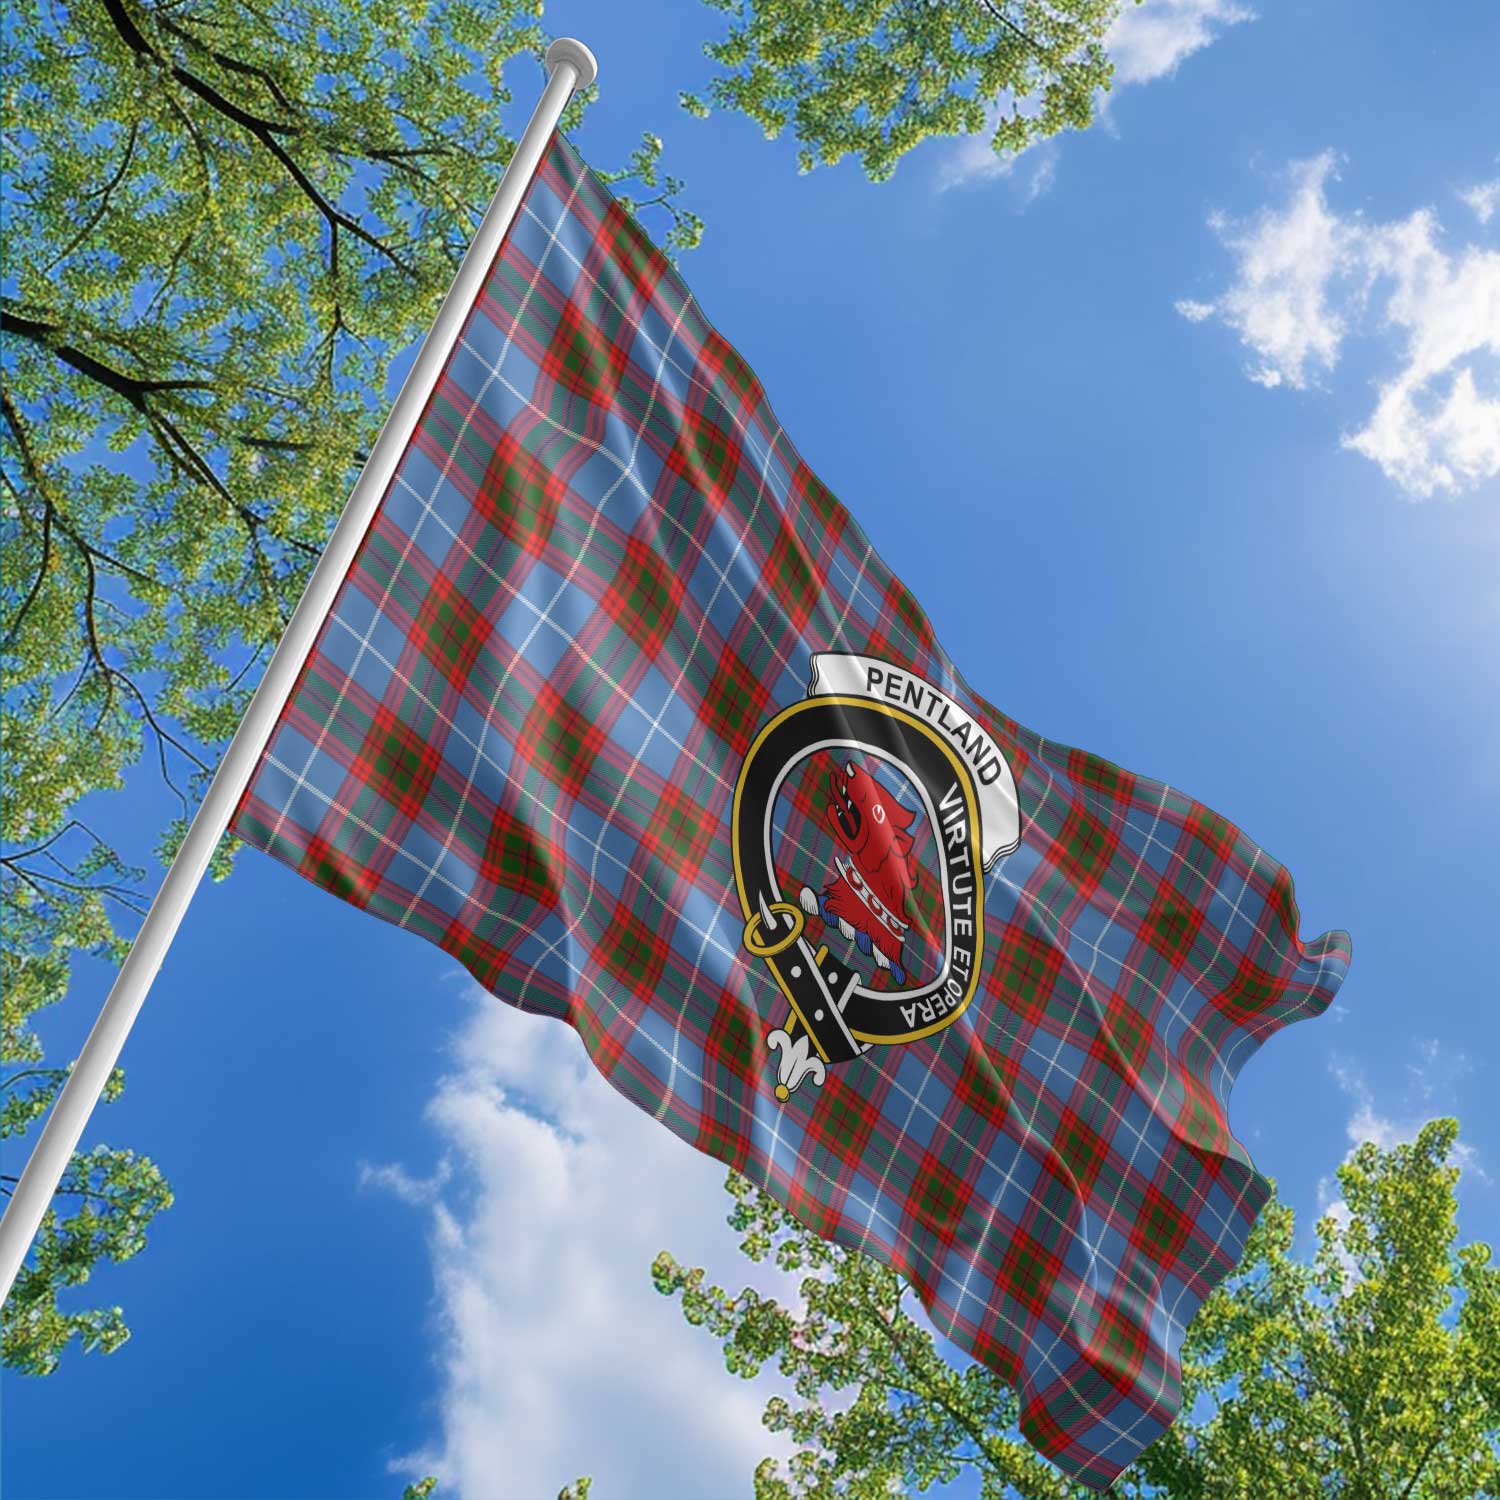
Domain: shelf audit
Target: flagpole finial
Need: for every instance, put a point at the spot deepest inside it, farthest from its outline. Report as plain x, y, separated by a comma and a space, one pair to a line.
568, 49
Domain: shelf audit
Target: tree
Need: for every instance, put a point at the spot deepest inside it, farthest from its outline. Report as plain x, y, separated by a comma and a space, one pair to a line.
1370, 1372
874, 78
222, 224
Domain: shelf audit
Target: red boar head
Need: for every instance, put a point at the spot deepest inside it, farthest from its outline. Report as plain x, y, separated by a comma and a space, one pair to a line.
872, 826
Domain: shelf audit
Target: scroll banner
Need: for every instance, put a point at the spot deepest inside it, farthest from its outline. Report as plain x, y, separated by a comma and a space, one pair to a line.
995, 787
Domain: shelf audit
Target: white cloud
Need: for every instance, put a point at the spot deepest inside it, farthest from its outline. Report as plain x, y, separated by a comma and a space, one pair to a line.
1437, 1072
1146, 42
1306, 277
1150, 40
1484, 199
557, 1356
1432, 1091
1194, 312
971, 160
394, 1179
1281, 304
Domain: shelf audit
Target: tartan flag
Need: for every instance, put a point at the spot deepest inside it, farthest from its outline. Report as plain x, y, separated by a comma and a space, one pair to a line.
618, 706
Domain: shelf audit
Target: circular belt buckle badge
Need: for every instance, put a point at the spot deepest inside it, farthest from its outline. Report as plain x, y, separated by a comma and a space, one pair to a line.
860, 709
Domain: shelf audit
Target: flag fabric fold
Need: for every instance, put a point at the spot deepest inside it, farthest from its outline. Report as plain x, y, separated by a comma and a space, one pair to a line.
619, 707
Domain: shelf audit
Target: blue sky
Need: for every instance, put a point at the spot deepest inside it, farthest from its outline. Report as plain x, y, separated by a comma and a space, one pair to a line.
1186, 432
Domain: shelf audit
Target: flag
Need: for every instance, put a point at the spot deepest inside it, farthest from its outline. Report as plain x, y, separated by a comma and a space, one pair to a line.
619, 707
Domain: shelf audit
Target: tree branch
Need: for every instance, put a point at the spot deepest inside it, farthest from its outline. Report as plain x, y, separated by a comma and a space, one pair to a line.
118, 893
104, 196
41, 575
231, 64
134, 389
11, 1079
1011, 26
1421, 1464
265, 131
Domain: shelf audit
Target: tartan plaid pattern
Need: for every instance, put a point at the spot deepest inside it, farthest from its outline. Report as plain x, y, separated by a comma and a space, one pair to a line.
599, 569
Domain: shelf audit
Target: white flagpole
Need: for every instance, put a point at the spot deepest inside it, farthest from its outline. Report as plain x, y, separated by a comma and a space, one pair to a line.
570, 66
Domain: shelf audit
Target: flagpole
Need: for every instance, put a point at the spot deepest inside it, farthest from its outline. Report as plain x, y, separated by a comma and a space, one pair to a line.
570, 66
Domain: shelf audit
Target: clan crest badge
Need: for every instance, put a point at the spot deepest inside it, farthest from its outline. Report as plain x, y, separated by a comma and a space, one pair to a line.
867, 718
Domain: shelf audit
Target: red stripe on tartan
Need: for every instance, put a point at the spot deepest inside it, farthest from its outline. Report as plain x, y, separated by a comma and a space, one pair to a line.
825, 1219
1217, 834
1083, 851
449, 631
981, 1087
605, 1041
720, 361
1245, 999
521, 496
583, 360
679, 834
1080, 1149
632, 952
843, 1124
1116, 1353
1022, 974
736, 703
559, 742
940, 1199
1160, 1229
1284, 904
813, 506
1171, 925
724, 1142
997, 1350
1042, 1430
1101, 777
484, 958
395, 763
623, 257
324, 865
645, 599
792, 578
916, 634
1203, 1126
520, 858
732, 1071
1125, 1039
1027, 1272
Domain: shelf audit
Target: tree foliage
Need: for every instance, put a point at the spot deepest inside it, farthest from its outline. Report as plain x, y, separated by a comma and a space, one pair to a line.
222, 223
874, 78
1369, 1372
424, 1488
